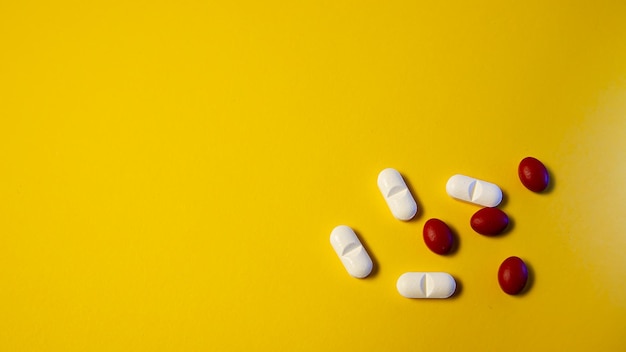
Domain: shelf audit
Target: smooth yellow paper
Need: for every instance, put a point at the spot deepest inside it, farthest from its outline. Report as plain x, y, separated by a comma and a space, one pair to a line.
170, 173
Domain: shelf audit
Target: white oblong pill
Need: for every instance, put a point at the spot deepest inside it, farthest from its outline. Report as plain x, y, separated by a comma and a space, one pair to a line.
426, 285
351, 252
397, 194
474, 191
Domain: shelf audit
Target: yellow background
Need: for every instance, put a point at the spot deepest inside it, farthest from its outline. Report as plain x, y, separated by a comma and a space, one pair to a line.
170, 173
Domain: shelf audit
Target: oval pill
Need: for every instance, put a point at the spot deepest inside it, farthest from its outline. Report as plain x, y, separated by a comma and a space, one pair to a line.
426, 285
474, 191
512, 275
437, 236
351, 252
533, 174
489, 221
397, 194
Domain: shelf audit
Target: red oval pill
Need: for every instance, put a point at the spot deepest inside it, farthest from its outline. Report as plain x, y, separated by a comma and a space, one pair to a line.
489, 221
438, 236
512, 275
533, 174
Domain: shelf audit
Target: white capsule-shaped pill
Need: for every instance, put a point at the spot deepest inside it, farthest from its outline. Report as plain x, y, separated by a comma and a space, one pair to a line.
351, 252
474, 191
426, 285
397, 194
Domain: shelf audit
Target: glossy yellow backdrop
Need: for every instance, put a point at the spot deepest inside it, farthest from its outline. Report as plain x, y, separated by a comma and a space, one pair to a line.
170, 173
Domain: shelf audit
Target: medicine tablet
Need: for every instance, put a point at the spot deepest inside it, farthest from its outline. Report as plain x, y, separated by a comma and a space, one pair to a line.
533, 174
397, 194
489, 221
437, 236
426, 285
512, 275
474, 191
351, 252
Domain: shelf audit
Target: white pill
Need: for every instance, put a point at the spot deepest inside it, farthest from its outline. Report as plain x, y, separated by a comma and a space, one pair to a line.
351, 252
397, 194
426, 285
474, 191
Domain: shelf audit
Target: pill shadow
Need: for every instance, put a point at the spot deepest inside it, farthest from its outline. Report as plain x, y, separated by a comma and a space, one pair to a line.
504, 201
551, 182
530, 281
375, 268
456, 241
417, 202
508, 229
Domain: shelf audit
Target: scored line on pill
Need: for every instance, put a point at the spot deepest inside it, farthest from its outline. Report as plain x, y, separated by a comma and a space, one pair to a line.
395, 190
351, 252
426, 285
351, 249
430, 285
472, 190
397, 194
423, 285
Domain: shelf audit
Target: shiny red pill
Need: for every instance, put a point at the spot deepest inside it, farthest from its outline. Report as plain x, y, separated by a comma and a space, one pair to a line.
438, 236
533, 174
489, 221
512, 275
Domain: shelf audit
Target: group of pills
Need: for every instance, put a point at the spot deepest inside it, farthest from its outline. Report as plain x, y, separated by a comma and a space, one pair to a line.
488, 221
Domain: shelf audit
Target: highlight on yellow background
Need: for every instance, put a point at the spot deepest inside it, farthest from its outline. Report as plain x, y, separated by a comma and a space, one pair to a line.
170, 173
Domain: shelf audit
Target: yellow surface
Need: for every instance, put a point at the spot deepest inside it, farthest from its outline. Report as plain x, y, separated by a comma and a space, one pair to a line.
170, 173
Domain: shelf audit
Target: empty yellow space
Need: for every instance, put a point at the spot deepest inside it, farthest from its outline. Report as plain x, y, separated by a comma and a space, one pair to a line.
170, 173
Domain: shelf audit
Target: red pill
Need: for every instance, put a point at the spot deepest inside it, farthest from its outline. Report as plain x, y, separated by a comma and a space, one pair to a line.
489, 221
533, 174
438, 236
512, 275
